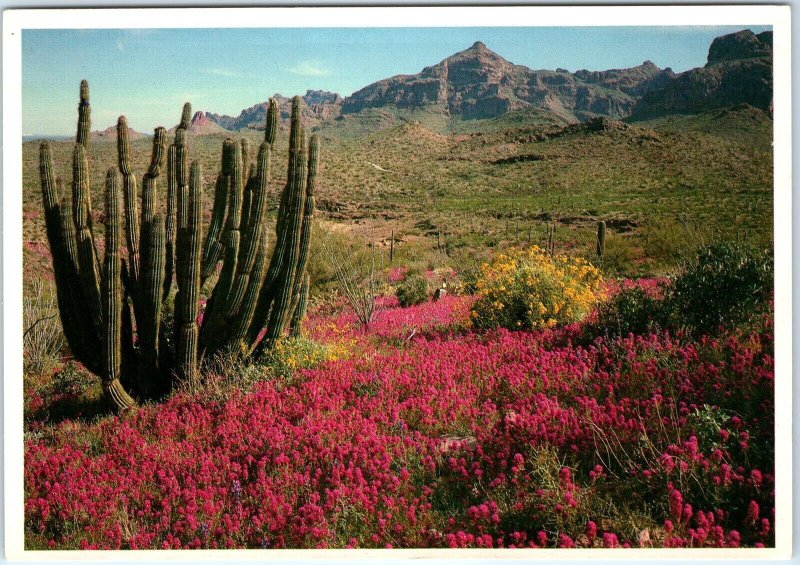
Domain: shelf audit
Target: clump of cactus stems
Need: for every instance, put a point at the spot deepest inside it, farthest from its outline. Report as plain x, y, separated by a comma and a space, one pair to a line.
113, 311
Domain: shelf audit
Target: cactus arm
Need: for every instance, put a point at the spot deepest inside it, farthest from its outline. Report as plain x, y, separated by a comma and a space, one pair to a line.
112, 300
82, 214
84, 116
213, 247
148, 301
271, 129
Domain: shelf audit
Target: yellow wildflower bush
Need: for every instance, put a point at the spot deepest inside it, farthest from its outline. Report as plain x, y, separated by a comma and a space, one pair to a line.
529, 289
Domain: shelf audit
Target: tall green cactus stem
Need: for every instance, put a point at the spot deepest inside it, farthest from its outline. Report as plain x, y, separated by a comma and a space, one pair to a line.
159, 150
186, 117
131, 203
219, 303
300, 307
245, 158
213, 246
82, 215
151, 300
281, 271
112, 300
306, 227
601, 239
187, 299
84, 116
252, 229
177, 180
61, 237
271, 129
171, 220
291, 226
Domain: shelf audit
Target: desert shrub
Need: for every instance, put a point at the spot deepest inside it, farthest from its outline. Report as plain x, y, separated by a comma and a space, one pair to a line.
629, 311
413, 290
672, 243
531, 289
42, 339
727, 285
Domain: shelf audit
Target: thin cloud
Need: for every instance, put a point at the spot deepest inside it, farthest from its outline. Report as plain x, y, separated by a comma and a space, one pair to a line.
121, 45
220, 72
309, 69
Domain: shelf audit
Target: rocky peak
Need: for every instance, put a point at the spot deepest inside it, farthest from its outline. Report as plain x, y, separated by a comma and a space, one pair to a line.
200, 119
740, 45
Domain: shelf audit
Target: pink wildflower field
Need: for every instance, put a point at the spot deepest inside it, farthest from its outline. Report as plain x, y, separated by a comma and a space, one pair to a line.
427, 433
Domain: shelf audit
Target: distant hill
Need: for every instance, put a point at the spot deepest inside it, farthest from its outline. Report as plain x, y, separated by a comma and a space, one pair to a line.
738, 71
319, 106
110, 134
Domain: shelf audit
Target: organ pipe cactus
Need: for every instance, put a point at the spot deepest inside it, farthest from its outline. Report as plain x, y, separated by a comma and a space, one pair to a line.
113, 311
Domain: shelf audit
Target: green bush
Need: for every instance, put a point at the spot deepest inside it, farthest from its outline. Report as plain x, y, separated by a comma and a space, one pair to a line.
630, 311
728, 285
412, 290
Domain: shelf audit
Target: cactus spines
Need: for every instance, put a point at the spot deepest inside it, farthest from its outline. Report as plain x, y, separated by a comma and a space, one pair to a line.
112, 299
271, 129
112, 313
84, 116
601, 238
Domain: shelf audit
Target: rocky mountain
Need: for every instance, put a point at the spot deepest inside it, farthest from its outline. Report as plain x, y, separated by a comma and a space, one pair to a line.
319, 105
478, 83
738, 71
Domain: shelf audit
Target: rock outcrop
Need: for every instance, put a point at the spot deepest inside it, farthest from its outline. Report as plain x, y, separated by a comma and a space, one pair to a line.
738, 71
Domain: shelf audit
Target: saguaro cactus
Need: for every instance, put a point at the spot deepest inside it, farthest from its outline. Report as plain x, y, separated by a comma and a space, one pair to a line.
112, 317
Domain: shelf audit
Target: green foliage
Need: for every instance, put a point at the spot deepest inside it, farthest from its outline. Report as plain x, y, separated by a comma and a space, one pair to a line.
727, 285
412, 290
631, 310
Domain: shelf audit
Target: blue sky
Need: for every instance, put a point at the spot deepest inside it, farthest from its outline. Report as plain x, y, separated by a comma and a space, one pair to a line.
147, 74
